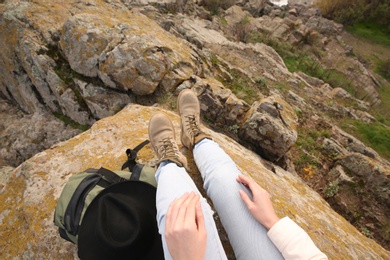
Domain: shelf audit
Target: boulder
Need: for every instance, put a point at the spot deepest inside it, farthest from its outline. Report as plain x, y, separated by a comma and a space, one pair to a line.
128, 54
271, 126
102, 102
254, 6
375, 176
219, 104
46, 45
33, 188
22, 136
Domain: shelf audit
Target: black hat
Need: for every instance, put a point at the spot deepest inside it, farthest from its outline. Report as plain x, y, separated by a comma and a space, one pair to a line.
120, 223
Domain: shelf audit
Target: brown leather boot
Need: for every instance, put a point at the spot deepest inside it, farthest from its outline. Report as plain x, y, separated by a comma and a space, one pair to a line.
189, 111
162, 139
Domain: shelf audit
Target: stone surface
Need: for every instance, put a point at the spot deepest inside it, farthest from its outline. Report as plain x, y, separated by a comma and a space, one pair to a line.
219, 104
54, 43
33, 188
271, 126
22, 136
102, 102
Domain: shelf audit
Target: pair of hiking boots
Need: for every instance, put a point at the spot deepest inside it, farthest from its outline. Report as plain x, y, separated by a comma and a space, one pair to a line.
162, 133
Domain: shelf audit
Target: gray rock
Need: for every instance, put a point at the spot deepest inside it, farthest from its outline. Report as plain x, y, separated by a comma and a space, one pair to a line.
374, 175
22, 135
254, 6
5, 172
218, 103
36, 66
73, 109
315, 82
84, 40
333, 149
102, 102
271, 126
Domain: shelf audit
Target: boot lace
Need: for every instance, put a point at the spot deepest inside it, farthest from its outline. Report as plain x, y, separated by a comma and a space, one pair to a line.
167, 150
193, 127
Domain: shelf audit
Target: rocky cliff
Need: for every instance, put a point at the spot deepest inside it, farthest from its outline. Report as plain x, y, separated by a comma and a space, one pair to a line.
31, 190
66, 64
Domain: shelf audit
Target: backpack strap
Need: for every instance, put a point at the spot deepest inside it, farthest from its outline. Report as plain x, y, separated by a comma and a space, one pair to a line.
110, 176
136, 173
132, 155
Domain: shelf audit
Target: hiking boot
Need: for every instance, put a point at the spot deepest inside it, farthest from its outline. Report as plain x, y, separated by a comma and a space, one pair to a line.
189, 111
162, 139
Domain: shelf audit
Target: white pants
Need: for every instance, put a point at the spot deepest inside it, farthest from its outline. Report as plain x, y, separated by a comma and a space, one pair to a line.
247, 236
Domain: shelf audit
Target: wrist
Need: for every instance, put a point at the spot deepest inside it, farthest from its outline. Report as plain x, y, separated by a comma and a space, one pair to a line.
271, 222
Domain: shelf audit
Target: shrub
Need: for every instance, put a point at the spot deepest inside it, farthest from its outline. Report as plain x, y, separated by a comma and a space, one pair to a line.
353, 11
384, 69
214, 5
242, 30
332, 189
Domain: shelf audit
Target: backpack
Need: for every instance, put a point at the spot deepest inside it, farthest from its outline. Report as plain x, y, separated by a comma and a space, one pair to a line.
83, 187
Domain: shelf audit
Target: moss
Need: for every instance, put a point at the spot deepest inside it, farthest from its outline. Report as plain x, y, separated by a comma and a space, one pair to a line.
332, 189
70, 122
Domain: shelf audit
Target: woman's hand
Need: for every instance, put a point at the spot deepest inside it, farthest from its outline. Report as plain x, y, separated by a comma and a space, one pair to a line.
185, 231
261, 207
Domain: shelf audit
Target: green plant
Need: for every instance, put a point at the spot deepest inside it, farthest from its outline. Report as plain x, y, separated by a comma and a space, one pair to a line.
332, 189
242, 30
348, 12
233, 128
375, 135
223, 21
261, 81
365, 231
242, 86
68, 121
168, 100
383, 68
357, 215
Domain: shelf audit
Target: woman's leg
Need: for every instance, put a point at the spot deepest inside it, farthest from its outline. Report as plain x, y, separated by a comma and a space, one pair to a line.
172, 182
247, 236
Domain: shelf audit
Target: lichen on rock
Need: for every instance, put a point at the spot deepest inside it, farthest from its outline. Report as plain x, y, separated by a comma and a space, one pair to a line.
32, 190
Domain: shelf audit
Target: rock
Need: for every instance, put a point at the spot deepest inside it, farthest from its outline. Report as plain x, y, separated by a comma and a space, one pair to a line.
123, 55
324, 26
326, 88
252, 59
333, 149
22, 136
236, 14
340, 93
100, 101
354, 145
219, 104
365, 117
315, 82
29, 199
78, 39
5, 172
254, 6
74, 109
339, 174
293, 11
271, 126
36, 66
371, 180
297, 99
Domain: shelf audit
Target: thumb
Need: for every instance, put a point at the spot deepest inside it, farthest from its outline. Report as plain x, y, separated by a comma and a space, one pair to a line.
248, 202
